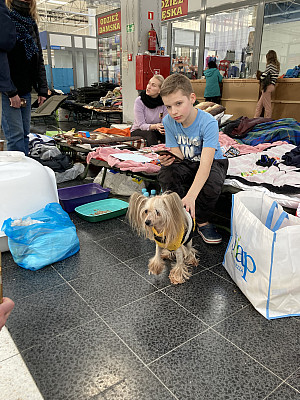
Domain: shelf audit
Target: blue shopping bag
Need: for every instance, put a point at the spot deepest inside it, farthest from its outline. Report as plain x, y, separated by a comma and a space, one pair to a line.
50, 238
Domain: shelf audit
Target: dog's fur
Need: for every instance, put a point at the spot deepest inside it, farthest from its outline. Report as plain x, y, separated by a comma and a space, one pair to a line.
164, 213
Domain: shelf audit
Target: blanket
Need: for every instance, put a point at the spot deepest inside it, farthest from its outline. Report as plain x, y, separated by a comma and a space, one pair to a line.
277, 178
226, 142
105, 153
287, 129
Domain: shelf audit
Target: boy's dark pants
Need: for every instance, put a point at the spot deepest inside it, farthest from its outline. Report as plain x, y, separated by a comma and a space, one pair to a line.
179, 177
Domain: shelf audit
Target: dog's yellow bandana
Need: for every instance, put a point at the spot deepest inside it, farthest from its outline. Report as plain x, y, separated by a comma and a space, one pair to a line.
183, 237
161, 240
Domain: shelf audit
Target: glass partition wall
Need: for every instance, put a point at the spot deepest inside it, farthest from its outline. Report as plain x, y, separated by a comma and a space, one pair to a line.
109, 59
229, 41
281, 32
185, 47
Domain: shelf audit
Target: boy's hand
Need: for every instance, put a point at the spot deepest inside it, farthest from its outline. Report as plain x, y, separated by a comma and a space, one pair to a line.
189, 204
166, 160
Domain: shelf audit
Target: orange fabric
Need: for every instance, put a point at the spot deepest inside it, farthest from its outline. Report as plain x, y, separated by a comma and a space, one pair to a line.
114, 131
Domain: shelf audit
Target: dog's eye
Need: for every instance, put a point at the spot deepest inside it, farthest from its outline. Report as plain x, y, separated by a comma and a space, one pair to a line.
157, 213
146, 211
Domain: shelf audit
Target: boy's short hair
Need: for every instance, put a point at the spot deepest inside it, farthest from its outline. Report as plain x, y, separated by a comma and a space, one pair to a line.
176, 82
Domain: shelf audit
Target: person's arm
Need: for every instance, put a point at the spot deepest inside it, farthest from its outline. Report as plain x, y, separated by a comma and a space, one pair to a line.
139, 115
207, 158
8, 31
7, 42
166, 161
5, 309
210, 145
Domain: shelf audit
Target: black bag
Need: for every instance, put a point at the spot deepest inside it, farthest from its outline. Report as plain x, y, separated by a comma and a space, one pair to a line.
58, 164
265, 82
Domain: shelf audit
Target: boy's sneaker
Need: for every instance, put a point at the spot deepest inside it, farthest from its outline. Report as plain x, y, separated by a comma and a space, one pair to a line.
209, 234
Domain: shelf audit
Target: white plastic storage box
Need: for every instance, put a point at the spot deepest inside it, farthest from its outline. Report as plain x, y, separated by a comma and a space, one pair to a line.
26, 186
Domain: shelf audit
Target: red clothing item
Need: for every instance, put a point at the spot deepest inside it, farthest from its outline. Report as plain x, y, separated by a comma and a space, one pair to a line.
224, 66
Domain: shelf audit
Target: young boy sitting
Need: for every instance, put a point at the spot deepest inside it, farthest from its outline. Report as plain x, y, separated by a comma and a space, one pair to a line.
192, 135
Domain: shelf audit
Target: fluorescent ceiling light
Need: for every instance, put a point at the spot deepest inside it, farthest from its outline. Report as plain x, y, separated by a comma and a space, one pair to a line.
57, 2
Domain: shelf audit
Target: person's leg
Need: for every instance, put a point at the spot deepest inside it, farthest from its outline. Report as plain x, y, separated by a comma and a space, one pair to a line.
267, 101
12, 125
259, 106
216, 99
178, 177
26, 117
210, 193
149, 136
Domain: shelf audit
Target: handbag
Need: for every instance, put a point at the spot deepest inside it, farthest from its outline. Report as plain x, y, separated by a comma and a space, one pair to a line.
262, 256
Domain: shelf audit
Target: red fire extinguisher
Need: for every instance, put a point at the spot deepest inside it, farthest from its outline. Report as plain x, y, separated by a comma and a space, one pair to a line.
152, 40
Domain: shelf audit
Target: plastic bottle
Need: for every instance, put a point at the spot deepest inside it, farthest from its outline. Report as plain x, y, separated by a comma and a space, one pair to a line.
153, 193
146, 194
144, 190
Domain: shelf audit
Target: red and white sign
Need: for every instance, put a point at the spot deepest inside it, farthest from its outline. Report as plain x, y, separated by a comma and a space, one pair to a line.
173, 9
150, 15
109, 23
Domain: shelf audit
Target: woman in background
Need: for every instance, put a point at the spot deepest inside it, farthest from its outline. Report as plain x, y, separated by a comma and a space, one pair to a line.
267, 80
26, 65
149, 111
213, 79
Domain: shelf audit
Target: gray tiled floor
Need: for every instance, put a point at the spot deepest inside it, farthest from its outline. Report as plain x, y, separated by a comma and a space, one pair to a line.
96, 326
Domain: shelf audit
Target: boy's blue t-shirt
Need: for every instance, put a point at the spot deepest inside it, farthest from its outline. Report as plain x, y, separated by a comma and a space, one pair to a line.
203, 132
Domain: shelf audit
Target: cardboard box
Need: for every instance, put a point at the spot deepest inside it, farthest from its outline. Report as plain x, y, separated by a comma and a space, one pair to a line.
239, 108
198, 86
240, 89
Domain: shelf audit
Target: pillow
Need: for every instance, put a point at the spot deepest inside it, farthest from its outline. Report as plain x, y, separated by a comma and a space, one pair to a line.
218, 117
210, 107
204, 105
216, 109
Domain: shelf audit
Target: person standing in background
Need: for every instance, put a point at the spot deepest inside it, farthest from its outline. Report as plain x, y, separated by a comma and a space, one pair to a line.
149, 111
213, 79
7, 42
268, 80
27, 71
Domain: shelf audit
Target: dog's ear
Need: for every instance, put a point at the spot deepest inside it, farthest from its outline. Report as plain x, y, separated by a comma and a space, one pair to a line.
137, 200
173, 199
134, 214
175, 211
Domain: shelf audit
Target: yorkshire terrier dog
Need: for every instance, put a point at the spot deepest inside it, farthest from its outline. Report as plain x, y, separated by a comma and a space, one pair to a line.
164, 220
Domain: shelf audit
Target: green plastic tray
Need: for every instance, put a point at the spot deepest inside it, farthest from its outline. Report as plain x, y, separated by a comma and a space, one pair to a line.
89, 211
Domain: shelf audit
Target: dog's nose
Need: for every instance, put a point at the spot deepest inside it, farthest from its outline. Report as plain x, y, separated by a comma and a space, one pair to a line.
148, 222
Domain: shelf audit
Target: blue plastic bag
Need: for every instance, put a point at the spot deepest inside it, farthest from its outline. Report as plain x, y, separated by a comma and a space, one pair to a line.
293, 72
41, 244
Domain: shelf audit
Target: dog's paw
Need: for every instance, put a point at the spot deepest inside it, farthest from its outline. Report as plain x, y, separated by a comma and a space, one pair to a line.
167, 255
179, 274
155, 267
192, 261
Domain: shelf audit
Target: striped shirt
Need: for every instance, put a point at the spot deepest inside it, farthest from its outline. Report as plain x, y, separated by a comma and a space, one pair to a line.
272, 71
